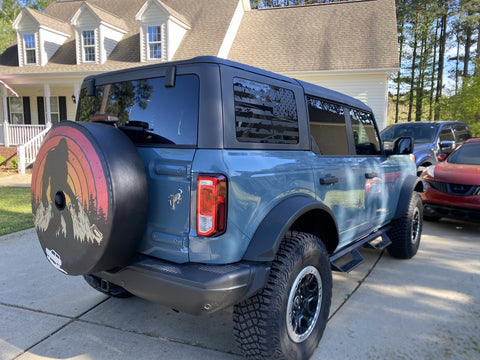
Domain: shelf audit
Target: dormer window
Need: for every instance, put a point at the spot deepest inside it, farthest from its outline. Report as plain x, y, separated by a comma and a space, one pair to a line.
38, 37
154, 42
161, 31
97, 33
88, 41
30, 49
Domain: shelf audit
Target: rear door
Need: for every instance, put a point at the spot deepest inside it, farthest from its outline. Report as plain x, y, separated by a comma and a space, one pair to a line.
339, 176
159, 113
168, 150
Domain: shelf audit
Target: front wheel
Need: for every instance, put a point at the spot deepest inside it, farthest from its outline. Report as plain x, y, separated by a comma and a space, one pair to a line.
287, 318
407, 230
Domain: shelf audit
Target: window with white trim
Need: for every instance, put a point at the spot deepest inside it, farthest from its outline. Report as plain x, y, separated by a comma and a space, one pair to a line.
16, 110
154, 42
54, 110
88, 45
30, 50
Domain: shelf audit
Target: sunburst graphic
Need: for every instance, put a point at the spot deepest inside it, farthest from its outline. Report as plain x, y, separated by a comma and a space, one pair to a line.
69, 164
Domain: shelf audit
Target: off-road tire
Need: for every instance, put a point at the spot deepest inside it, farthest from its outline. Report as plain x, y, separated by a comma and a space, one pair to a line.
110, 290
89, 197
407, 230
300, 275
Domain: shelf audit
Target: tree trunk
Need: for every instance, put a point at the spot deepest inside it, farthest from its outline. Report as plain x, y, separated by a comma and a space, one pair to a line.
399, 76
441, 55
414, 60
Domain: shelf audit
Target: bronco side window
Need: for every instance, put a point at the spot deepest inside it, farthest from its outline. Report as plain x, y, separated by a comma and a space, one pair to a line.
327, 126
264, 113
364, 133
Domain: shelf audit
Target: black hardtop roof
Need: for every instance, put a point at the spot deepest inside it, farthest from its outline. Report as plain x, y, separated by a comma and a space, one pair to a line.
309, 88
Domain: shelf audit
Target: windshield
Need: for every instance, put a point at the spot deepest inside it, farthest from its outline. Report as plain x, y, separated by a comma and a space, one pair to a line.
146, 110
467, 154
421, 133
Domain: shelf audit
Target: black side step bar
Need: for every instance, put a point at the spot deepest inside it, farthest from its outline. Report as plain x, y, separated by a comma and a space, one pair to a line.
370, 241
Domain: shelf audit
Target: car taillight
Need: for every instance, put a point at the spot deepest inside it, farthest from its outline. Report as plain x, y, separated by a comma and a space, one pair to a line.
211, 205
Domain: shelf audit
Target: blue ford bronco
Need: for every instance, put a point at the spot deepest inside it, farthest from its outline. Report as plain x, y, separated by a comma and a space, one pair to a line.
204, 184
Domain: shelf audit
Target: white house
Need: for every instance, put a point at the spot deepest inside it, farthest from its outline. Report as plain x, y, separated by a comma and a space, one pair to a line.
348, 46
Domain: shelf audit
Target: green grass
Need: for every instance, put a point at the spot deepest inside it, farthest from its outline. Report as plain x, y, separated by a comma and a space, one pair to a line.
15, 210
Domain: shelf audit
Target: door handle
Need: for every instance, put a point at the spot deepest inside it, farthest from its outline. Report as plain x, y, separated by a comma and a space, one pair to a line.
371, 175
328, 180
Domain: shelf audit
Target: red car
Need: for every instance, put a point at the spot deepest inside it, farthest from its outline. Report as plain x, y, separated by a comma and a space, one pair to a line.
453, 185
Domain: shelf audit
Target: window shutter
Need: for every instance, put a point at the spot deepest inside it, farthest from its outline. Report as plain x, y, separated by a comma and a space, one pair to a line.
27, 118
41, 110
62, 105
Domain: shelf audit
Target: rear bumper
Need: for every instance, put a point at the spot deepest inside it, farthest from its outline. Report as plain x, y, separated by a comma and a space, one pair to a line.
191, 288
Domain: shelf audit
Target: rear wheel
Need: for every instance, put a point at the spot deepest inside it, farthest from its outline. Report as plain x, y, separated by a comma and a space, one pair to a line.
287, 318
407, 230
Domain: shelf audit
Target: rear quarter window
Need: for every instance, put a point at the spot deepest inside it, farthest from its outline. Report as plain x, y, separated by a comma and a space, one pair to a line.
147, 111
264, 113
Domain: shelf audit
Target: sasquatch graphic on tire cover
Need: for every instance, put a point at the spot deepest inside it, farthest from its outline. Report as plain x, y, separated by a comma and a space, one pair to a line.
69, 194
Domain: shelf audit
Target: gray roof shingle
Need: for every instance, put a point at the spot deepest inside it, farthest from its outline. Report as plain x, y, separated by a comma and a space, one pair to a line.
352, 35
355, 35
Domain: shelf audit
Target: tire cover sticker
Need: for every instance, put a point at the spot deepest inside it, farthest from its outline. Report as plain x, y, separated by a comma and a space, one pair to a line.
68, 163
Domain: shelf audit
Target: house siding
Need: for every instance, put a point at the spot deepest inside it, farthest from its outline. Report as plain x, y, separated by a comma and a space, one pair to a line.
369, 88
175, 35
109, 40
49, 42
37, 92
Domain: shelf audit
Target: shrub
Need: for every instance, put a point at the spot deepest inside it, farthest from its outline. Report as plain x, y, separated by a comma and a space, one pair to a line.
14, 163
2, 160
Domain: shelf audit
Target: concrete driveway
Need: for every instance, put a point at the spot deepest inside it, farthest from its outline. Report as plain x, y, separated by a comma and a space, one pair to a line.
424, 308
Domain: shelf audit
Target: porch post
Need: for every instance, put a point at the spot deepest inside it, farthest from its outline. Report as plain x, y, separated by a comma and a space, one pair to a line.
6, 137
76, 93
46, 90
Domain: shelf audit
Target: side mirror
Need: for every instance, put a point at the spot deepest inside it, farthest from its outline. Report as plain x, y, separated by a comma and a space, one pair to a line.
447, 146
403, 145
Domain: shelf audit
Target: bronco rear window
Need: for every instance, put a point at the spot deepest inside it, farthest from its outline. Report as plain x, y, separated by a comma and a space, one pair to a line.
146, 110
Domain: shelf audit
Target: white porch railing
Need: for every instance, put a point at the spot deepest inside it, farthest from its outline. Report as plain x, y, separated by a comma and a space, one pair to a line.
20, 134
27, 153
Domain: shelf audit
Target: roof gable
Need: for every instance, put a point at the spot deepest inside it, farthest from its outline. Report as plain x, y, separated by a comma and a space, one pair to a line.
101, 17
42, 21
167, 10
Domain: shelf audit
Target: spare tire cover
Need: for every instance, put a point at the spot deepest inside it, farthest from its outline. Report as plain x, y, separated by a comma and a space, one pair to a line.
89, 197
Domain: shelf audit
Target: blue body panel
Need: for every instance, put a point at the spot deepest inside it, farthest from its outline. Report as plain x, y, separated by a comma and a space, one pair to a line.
169, 185
257, 182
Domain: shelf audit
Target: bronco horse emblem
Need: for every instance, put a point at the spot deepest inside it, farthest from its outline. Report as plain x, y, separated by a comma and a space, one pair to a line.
175, 199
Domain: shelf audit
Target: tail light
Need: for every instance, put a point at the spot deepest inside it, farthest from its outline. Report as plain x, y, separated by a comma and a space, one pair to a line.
211, 205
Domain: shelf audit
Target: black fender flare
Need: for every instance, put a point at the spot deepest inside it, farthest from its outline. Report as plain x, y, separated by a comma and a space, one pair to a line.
270, 233
429, 159
410, 184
